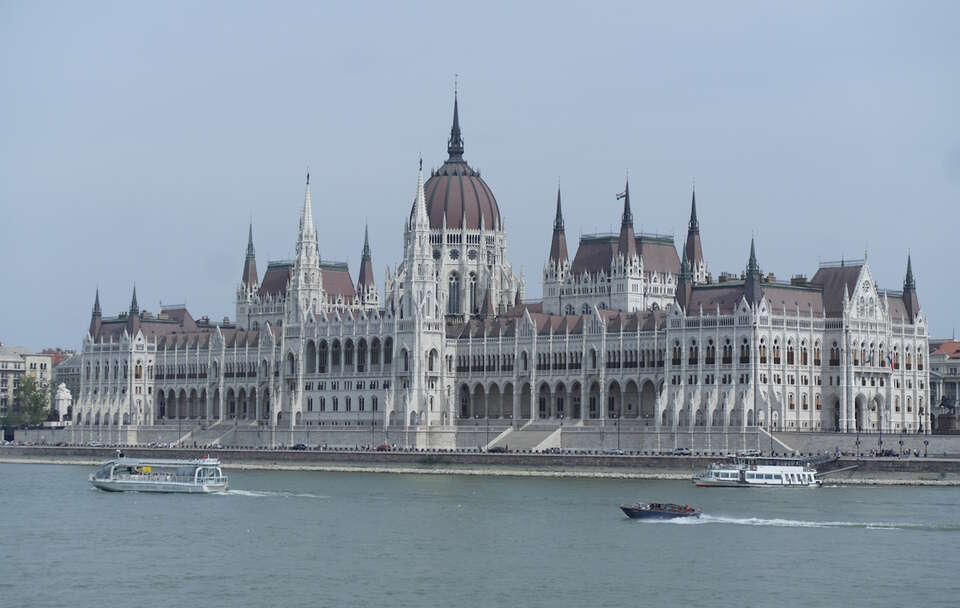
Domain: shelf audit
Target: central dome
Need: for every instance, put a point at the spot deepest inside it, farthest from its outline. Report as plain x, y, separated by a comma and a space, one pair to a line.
457, 192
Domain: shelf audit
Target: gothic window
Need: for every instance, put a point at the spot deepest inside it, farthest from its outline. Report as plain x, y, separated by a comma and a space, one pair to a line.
744, 351
453, 294
474, 305
375, 352
336, 354
790, 353
763, 351
388, 351
570, 310
322, 357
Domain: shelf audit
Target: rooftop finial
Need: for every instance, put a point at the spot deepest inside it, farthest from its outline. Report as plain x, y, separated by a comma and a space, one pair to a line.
366, 241
308, 175
909, 282
96, 304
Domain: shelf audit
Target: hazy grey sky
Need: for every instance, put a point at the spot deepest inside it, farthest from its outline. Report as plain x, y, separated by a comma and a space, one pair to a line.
139, 138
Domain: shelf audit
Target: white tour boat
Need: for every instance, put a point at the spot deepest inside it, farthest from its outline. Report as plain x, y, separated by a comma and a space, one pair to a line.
202, 476
747, 472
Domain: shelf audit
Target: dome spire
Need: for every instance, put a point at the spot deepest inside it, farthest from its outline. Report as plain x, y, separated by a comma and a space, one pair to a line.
455, 143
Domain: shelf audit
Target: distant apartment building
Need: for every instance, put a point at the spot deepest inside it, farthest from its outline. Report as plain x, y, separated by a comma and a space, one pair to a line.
16, 362
945, 383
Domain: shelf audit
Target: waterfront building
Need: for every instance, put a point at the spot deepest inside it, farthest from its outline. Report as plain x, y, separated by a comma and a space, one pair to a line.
630, 332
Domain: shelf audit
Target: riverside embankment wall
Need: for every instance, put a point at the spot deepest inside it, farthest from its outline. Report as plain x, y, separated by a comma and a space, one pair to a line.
871, 470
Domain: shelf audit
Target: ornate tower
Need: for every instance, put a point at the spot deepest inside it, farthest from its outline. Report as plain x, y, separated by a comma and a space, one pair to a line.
249, 283
306, 286
693, 249
557, 268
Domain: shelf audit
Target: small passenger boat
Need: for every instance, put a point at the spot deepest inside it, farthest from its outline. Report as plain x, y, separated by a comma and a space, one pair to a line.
202, 476
658, 510
746, 472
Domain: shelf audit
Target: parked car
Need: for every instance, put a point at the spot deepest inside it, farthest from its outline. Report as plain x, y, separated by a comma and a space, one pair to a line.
497, 449
681, 451
749, 453
614, 451
383, 447
300, 447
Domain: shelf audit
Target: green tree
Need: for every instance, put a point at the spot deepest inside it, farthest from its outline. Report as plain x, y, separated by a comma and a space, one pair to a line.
32, 404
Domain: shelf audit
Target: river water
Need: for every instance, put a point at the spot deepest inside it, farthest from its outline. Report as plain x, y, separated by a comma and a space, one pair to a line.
343, 539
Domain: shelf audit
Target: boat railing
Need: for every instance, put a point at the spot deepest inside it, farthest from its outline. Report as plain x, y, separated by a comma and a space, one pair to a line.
169, 478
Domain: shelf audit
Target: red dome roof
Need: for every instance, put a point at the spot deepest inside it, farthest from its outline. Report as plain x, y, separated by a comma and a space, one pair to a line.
457, 192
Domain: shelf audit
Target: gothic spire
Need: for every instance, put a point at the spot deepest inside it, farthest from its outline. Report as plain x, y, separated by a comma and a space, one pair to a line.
628, 242
420, 204
96, 304
365, 280
752, 287
908, 282
134, 308
910, 300
693, 248
250, 276
97, 317
752, 265
694, 225
627, 214
558, 245
558, 221
455, 143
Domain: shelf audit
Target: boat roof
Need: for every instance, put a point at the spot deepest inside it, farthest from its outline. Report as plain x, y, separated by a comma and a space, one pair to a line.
166, 462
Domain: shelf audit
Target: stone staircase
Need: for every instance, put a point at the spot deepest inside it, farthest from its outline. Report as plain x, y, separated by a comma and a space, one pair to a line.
531, 436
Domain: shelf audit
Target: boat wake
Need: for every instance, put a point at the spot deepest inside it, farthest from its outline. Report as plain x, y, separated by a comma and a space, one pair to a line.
795, 523
266, 494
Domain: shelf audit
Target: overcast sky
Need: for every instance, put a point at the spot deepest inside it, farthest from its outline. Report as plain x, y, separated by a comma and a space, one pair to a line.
138, 139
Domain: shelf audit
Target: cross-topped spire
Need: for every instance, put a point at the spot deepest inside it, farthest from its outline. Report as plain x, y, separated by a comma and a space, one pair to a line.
366, 242
455, 143
96, 304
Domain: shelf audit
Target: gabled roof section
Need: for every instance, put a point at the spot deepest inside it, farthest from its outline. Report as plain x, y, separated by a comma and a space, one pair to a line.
337, 281
832, 278
276, 279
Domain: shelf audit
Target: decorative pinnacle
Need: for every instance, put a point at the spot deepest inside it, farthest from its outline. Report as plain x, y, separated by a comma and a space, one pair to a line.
96, 304
250, 251
366, 242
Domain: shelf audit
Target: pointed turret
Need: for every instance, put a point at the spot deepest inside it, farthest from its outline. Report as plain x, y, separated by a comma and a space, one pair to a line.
558, 246
693, 249
628, 242
365, 282
910, 300
455, 143
250, 279
752, 288
96, 318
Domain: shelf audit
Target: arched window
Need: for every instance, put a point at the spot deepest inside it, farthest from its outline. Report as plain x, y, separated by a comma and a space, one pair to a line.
570, 310
453, 294
789, 353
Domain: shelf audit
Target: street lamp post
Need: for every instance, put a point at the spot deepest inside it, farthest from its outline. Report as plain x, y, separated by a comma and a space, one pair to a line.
926, 442
561, 432
857, 443
616, 421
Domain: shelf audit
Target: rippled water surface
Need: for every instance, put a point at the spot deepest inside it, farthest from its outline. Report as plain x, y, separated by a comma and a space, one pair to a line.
342, 539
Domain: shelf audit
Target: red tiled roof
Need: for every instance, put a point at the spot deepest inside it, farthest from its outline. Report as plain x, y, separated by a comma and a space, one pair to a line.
336, 281
276, 279
832, 280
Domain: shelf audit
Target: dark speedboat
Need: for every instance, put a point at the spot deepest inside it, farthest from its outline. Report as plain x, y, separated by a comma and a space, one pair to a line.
658, 510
